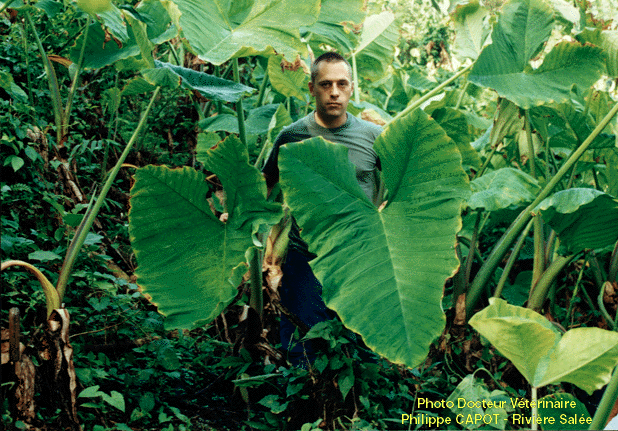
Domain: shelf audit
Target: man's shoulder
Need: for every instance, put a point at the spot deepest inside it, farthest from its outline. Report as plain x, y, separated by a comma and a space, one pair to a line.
367, 126
297, 131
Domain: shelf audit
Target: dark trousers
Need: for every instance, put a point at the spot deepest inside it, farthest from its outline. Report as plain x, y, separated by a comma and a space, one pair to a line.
301, 293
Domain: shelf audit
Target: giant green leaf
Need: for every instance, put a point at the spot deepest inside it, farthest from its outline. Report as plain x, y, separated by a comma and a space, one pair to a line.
582, 356
222, 122
502, 189
608, 41
470, 29
113, 20
376, 47
455, 124
218, 30
286, 81
102, 51
50, 7
582, 218
518, 37
340, 11
211, 87
257, 123
189, 262
329, 28
383, 271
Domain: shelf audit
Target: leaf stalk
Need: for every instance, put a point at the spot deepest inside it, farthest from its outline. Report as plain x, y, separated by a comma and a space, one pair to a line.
239, 106
509, 236
80, 237
431, 93
52, 301
607, 402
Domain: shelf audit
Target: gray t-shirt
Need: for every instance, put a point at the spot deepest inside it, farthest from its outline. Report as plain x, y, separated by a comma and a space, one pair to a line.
356, 134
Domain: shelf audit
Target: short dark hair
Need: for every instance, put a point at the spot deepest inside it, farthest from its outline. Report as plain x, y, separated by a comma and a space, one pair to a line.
328, 57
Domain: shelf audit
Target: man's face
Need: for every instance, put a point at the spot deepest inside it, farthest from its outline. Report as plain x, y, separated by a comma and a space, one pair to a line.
332, 90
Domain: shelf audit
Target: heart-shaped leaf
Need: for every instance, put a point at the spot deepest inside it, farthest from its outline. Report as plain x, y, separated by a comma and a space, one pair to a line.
501, 189
219, 30
189, 262
382, 271
504, 65
582, 356
582, 218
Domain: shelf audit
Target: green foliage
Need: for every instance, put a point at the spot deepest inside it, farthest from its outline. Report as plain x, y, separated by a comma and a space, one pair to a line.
556, 413
582, 356
218, 31
502, 189
165, 202
221, 90
582, 218
376, 46
348, 233
528, 25
137, 30
135, 375
472, 391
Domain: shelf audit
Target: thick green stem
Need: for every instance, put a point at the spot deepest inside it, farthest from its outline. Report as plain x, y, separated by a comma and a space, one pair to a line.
511, 261
539, 293
356, 84
27, 60
607, 402
262, 93
538, 265
78, 240
51, 295
530, 144
512, 232
477, 254
239, 108
487, 161
67, 108
470, 256
174, 53
572, 301
52, 81
588, 299
431, 93
462, 94
604, 312
459, 283
260, 157
550, 246
539, 247
597, 271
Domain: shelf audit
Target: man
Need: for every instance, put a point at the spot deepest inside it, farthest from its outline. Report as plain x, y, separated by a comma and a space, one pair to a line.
331, 85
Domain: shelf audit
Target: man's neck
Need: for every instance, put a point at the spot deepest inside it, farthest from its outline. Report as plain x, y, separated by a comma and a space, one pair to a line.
336, 122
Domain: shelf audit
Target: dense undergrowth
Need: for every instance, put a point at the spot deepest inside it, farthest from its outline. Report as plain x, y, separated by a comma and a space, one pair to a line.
134, 374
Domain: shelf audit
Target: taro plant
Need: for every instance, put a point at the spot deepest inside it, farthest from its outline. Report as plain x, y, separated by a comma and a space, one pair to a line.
57, 332
213, 284
547, 84
544, 355
56, 339
383, 270
510, 74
